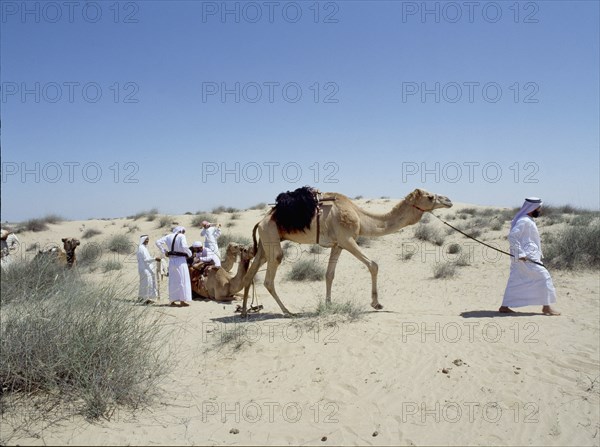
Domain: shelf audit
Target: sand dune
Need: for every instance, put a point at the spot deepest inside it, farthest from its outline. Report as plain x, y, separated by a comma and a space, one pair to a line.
438, 366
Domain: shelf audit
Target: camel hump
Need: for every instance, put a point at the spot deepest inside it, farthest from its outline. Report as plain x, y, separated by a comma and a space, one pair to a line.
294, 210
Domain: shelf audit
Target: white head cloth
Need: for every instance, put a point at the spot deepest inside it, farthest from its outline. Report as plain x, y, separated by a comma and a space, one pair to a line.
178, 229
530, 204
143, 238
197, 244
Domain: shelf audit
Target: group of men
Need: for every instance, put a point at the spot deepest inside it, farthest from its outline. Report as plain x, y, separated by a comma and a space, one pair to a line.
175, 247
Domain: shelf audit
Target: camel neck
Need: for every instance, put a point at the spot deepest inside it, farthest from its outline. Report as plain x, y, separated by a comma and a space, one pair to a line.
399, 216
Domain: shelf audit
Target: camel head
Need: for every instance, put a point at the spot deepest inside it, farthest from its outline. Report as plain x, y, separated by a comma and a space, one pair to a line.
70, 244
427, 201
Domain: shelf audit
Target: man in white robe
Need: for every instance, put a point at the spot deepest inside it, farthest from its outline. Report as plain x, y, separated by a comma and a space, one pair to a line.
9, 245
211, 232
175, 246
148, 290
529, 284
203, 254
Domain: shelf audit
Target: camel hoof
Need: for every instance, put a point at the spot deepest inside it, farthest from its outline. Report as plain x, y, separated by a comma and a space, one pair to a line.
377, 306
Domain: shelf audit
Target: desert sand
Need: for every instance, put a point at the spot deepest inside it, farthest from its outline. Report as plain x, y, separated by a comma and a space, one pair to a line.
437, 366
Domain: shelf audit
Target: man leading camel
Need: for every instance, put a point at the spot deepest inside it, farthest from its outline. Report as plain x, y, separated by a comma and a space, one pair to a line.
529, 284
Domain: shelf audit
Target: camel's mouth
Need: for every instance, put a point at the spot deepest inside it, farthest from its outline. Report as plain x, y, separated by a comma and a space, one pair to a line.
444, 201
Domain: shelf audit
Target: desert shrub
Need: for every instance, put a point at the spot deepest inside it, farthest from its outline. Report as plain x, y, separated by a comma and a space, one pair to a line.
235, 216
111, 265
406, 255
258, 206
120, 243
88, 254
90, 232
34, 225
468, 227
131, 228
470, 211
150, 215
583, 219
65, 340
53, 218
463, 260
574, 247
497, 225
357, 197
453, 248
429, 233
164, 221
226, 238
444, 270
306, 270
349, 310
222, 209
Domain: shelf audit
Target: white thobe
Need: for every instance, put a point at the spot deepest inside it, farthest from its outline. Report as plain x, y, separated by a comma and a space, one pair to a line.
180, 286
207, 255
148, 287
529, 284
210, 238
8, 246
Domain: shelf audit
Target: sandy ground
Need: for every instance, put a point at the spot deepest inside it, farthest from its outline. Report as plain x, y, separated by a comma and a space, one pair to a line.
437, 366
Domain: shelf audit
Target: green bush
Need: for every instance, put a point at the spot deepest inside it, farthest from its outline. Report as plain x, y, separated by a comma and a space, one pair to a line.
120, 243
110, 265
90, 232
68, 341
444, 270
306, 270
429, 233
574, 247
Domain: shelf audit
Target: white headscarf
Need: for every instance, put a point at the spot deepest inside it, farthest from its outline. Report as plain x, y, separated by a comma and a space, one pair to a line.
197, 244
178, 229
530, 204
143, 238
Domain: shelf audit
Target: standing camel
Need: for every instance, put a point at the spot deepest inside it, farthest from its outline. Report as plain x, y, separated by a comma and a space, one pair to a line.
341, 221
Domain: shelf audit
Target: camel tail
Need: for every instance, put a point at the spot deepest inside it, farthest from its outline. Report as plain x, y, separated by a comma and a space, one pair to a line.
254, 237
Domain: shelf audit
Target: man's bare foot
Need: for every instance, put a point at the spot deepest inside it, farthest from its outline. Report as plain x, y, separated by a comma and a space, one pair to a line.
184, 304
547, 310
506, 310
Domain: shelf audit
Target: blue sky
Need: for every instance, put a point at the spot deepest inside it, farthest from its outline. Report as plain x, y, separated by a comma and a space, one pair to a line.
109, 108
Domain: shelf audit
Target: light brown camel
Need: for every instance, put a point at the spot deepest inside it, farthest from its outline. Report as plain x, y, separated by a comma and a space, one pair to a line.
231, 253
341, 222
220, 285
64, 257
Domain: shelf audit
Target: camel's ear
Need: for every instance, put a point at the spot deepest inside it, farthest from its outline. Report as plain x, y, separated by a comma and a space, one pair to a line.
64, 239
77, 242
413, 196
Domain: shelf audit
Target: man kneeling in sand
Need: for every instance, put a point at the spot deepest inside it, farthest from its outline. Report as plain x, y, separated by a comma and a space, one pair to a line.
529, 284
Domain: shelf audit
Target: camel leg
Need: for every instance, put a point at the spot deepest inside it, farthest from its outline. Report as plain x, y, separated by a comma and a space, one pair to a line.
272, 266
353, 248
336, 251
259, 260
